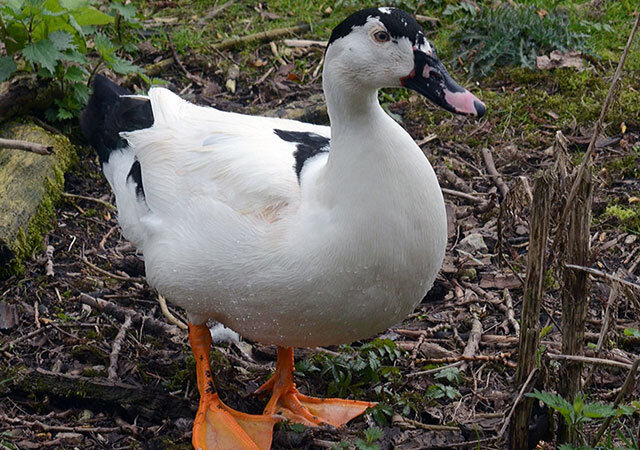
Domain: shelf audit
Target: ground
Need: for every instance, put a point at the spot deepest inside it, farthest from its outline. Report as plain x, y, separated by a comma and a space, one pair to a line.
55, 388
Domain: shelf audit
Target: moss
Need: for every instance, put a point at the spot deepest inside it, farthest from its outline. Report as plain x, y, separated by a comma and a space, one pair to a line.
29, 237
89, 354
628, 217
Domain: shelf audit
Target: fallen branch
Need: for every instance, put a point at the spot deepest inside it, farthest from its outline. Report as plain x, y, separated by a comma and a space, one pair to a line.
589, 360
260, 37
120, 312
404, 422
473, 343
304, 43
602, 274
510, 313
33, 147
464, 195
6, 345
112, 371
91, 199
597, 128
109, 274
60, 428
493, 172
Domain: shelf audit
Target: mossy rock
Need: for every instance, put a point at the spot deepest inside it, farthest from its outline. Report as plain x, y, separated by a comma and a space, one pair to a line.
30, 186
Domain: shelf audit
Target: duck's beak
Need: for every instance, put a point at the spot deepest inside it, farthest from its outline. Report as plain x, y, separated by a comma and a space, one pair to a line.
430, 78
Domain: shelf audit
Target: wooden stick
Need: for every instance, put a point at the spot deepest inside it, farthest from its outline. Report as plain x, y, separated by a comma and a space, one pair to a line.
473, 343
33, 147
45, 427
628, 383
8, 344
592, 144
493, 172
296, 43
120, 312
523, 389
260, 37
602, 274
91, 199
463, 195
112, 371
109, 274
588, 360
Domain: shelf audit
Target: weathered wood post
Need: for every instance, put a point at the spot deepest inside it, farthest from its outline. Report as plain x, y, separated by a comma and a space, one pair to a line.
534, 289
575, 294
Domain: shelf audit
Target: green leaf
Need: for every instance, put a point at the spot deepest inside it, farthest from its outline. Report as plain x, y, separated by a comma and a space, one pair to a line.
91, 16
104, 46
545, 331
128, 12
80, 93
74, 56
75, 74
373, 434
554, 401
62, 40
632, 332
598, 410
43, 53
7, 67
72, 5
451, 374
122, 66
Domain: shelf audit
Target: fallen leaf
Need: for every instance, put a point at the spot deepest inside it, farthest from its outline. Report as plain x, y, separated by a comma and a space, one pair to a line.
8, 316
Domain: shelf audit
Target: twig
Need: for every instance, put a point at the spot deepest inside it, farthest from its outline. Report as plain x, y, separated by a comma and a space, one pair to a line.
473, 343
604, 275
493, 172
109, 274
436, 370
49, 264
103, 241
121, 312
196, 79
398, 420
464, 195
260, 37
6, 345
215, 11
510, 313
33, 147
499, 357
112, 371
628, 382
589, 360
170, 317
586, 159
523, 389
91, 199
304, 43
45, 427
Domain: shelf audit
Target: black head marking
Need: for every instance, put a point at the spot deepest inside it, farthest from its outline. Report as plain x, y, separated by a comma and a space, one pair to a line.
308, 146
398, 23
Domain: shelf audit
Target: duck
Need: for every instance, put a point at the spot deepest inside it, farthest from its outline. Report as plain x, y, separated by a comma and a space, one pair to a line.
292, 234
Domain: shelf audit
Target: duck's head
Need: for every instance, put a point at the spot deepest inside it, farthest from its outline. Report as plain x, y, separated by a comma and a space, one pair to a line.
386, 47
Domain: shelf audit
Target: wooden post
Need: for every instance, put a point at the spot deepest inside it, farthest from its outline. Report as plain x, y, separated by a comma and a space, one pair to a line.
575, 294
534, 289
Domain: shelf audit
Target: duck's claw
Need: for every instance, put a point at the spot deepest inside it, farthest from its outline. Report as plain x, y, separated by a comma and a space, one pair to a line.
218, 427
288, 402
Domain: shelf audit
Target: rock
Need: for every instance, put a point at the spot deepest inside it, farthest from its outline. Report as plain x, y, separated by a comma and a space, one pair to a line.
630, 239
473, 242
30, 186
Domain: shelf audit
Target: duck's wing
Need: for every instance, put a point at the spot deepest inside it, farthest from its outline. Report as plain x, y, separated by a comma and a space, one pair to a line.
250, 164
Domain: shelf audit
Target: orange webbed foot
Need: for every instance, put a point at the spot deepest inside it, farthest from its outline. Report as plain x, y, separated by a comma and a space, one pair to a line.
299, 408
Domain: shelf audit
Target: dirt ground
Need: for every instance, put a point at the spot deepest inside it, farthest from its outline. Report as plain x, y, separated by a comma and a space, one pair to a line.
57, 350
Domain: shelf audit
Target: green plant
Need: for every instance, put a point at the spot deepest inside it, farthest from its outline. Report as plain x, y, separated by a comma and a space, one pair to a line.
512, 35
371, 435
578, 413
438, 390
51, 38
352, 369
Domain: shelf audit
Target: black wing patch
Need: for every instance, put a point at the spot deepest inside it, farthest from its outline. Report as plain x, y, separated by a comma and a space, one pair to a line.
136, 175
308, 146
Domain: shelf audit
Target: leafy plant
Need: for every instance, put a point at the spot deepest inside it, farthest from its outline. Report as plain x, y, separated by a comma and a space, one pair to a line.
512, 35
450, 374
438, 390
579, 412
51, 38
371, 435
351, 369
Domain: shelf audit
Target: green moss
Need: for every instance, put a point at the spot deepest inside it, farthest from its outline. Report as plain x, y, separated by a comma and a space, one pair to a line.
90, 354
29, 238
628, 217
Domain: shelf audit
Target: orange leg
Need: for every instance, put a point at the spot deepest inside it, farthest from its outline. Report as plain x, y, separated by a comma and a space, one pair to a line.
299, 408
216, 426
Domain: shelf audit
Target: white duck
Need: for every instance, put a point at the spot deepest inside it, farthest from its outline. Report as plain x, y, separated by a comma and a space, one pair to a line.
291, 234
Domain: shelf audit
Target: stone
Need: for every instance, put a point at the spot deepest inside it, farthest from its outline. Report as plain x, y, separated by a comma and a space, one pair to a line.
473, 242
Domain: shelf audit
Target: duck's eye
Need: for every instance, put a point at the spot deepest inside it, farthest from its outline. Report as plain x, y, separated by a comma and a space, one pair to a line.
381, 36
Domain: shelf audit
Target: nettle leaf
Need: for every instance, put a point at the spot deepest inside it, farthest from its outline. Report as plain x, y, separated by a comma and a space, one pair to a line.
598, 410
554, 401
122, 66
128, 12
43, 53
74, 56
72, 5
81, 93
91, 16
62, 40
76, 74
7, 67
104, 46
